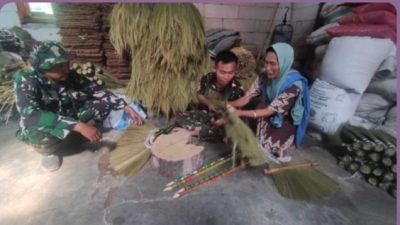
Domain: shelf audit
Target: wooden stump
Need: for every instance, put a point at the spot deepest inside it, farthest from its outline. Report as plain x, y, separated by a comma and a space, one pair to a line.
174, 156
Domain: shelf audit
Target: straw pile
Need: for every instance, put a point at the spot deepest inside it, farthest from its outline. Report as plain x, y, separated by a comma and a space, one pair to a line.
246, 69
115, 64
10, 66
168, 51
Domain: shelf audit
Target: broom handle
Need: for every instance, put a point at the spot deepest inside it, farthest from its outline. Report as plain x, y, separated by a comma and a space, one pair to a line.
302, 165
269, 32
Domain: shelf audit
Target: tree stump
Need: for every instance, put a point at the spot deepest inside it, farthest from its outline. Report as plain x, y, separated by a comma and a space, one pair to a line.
173, 154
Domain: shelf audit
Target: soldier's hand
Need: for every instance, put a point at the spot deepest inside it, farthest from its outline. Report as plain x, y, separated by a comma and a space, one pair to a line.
218, 122
134, 116
211, 107
88, 131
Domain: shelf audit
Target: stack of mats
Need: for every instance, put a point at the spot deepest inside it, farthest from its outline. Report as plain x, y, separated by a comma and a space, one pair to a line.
80, 30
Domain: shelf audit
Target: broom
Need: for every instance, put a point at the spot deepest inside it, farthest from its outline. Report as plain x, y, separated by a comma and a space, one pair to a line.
131, 154
293, 180
298, 180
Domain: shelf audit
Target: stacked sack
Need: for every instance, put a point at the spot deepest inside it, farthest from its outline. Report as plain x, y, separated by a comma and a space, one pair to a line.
357, 85
377, 107
372, 20
320, 38
348, 66
346, 72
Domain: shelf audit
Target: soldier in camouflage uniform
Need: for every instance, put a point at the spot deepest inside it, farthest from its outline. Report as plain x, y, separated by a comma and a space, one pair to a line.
221, 84
57, 105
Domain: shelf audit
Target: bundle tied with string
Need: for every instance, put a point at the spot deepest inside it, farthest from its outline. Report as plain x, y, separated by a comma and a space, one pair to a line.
168, 49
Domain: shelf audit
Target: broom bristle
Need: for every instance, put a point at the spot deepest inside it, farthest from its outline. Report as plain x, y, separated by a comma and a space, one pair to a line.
245, 139
165, 66
131, 154
304, 184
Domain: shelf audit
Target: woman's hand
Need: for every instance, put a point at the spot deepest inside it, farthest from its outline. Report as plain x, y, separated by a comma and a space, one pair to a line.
133, 115
233, 111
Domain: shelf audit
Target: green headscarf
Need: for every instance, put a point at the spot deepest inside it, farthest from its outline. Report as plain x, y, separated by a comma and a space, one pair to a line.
285, 55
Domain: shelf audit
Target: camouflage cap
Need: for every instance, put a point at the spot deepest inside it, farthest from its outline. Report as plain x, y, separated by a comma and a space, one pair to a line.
48, 54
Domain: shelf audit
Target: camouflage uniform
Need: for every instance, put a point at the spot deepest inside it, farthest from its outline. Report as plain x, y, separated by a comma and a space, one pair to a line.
49, 111
202, 117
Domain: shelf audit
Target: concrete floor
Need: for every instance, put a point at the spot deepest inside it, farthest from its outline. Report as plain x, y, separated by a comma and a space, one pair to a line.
86, 192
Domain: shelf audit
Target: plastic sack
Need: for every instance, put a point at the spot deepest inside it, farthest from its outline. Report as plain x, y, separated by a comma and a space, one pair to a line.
320, 36
363, 30
375, 17
373, 108
331, 106
351, 62
387, 88
374, 7
331, 12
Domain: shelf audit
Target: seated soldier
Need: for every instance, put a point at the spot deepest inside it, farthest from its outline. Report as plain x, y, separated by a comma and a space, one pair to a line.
57, 105
221, 85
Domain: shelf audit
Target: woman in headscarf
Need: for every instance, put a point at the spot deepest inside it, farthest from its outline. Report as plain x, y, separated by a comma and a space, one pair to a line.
283, 114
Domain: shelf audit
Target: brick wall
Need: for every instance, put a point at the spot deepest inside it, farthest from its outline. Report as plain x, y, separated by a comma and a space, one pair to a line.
253, 21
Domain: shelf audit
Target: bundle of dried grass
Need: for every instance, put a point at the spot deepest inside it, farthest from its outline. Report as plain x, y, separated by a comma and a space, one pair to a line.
129, 25
131, 154
10, 66
168, 49
242, 136
246, 69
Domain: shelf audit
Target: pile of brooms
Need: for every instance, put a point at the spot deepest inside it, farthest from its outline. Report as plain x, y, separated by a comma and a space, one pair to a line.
168, 51
371, 153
